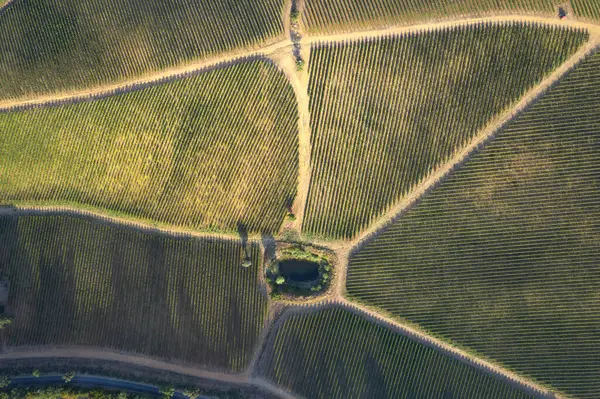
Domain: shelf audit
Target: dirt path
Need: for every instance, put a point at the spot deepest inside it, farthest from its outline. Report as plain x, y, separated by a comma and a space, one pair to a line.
424, 338
98, 354
487, 134
116, 220
223, 60
102, 354
451, 23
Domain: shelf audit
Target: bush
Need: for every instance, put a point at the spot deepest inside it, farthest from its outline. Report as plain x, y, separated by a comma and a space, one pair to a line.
36, 373
280, 280
299, 64
69, 377
4, 381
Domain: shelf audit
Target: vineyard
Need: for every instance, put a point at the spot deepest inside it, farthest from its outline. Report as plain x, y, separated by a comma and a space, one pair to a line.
81, 282
54, 46
213, 151
414, 100
335, 353
502, 258
321, 16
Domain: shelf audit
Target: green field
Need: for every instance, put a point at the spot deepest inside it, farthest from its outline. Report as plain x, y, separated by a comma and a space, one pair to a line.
76, 281
335, 353
51, 46
207, 152
502, 258
414, 101
322, 16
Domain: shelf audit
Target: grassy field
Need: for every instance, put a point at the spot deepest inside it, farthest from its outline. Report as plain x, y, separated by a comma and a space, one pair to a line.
208, 152
322, 16
75, 281
413, 102
50, 46
334, 353
503, 257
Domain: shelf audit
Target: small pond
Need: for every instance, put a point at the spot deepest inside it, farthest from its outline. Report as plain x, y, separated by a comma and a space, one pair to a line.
299, 270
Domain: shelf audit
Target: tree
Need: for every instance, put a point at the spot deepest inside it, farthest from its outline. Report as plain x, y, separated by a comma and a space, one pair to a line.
36, 373
192, 393
5, 321
280, 280
69, 377
4, 381
167, 391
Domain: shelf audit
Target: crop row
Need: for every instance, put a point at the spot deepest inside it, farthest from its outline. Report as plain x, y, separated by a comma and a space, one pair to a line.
503, 257
386, 112
216, 150
321, 16
333, 352
75, 281
53, 46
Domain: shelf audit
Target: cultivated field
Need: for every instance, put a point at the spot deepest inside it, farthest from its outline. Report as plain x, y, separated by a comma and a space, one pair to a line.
414, 100
335, 353
89, 283
208, 152
340, 15
51, 46
502, 258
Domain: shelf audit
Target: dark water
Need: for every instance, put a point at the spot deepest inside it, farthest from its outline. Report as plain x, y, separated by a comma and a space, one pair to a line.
299, 270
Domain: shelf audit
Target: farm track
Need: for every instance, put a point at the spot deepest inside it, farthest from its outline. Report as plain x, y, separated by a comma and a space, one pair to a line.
97, 354
280, 53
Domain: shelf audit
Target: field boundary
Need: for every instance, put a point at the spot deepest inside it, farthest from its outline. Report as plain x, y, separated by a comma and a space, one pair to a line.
116, 221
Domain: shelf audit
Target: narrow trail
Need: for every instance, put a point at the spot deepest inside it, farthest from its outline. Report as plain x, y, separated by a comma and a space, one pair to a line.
426, 339
98, 354
443, 171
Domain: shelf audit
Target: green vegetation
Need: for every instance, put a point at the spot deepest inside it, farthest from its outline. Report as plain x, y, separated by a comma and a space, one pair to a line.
67, 393
52, 46
311, 267
211, 151
69, 377
335, 353
413, 102
342, 15
76, 281
502, 258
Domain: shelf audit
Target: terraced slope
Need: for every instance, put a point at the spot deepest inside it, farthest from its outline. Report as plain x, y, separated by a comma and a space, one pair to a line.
76, 281
50, 46
502, 258
322, 16
385, 112
211, 151
335, 353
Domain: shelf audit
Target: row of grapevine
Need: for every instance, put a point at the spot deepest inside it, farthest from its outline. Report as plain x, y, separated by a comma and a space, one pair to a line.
211, 151
332, 352
503, 257
52, 46
78, 281
322, 16
385, 112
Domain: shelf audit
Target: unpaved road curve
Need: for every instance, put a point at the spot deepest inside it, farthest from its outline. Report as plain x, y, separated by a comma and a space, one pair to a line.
88, 353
